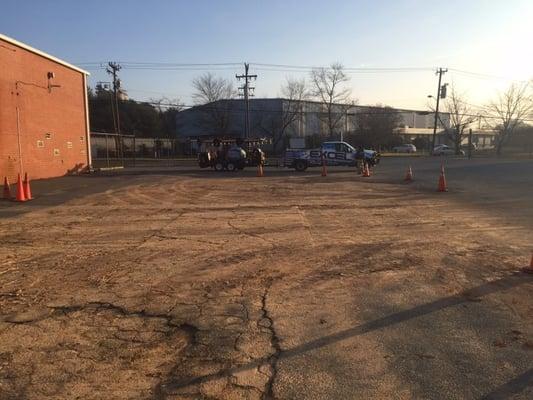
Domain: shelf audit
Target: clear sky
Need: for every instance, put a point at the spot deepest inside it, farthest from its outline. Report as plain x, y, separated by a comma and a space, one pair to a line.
491, 37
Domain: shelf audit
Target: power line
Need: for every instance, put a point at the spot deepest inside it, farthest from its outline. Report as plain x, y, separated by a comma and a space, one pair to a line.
484, 76
286, 67
148, 63
376, 111
278, 67
263, 66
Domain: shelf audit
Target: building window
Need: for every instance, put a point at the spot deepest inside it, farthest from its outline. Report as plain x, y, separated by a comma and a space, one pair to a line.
40, 143
48, 135
69, 145
56, 152
82, 139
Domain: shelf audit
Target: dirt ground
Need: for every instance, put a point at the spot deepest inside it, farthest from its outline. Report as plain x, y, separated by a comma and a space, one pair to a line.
291, 286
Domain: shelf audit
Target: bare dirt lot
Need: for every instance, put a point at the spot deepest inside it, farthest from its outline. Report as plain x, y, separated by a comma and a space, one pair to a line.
188, 284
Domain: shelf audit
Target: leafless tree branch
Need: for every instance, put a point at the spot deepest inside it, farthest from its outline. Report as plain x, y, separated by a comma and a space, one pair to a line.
509, 110
329, 89
211, 90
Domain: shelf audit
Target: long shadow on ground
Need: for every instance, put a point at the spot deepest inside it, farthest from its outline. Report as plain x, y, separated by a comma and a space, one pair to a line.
506, 283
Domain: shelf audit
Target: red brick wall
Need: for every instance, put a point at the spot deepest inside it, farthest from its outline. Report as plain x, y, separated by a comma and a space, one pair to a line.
51, 123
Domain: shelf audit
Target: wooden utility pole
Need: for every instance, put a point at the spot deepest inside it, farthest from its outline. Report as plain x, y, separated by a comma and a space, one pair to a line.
247, 89
439, 72
112, 70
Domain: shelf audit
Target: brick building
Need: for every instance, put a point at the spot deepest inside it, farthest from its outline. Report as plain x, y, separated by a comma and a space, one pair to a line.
44, 119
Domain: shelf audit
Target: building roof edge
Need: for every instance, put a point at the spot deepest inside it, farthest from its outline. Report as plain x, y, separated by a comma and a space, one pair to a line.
41, 53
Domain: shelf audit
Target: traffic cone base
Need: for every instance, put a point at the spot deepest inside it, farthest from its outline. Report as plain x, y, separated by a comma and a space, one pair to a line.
442, 180
26, 187
7, 189
20, 190
442, 184
409, 175
366, 171
324, 169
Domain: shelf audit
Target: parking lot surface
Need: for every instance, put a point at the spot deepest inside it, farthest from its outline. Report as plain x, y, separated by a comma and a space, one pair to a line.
189, 284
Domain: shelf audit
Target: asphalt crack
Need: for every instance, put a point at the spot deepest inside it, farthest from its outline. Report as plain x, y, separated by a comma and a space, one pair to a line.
272, 360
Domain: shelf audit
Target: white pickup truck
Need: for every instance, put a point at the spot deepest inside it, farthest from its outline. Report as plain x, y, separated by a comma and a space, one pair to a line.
331, 153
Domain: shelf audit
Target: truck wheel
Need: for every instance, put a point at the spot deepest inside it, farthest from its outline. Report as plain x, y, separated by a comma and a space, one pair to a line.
219, 166
231, 167
300, 165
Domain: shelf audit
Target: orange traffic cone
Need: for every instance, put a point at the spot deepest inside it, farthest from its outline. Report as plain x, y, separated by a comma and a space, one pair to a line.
442, 180
260, 170
26, 186
324, 168
7, 189
366, 171
20, 191
409, 175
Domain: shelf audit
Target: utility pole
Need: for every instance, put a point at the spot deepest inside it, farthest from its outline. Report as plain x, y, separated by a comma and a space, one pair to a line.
112, 70
246, 88
105, 87
440, 93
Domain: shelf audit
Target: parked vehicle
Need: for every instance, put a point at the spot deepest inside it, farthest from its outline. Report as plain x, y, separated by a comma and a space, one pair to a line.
405, 148
444, 150
330, 153
473, 147
230, 154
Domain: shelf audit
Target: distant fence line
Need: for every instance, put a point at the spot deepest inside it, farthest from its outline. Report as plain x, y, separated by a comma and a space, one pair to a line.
111, 149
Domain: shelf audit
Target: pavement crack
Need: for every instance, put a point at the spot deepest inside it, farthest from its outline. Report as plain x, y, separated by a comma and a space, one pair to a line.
272, 360
190, 330
250, 234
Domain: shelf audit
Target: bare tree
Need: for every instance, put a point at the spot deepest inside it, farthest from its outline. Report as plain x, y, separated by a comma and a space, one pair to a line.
461, 117
209, 94
168, 110
161, 104
329, 89
294, 92
509, 111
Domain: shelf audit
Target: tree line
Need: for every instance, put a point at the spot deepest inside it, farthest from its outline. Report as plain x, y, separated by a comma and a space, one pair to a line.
142, 119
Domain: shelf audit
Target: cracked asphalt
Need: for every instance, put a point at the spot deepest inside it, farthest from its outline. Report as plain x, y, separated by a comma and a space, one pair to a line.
186, 284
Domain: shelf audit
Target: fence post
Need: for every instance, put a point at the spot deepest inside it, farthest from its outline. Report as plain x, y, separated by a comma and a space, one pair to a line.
106, 151
134, 151
470, 143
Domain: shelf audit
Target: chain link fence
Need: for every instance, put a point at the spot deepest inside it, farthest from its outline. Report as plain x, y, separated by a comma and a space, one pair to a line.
111, 150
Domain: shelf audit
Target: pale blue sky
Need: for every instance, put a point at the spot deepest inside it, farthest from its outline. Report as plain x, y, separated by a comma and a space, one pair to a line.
486, 36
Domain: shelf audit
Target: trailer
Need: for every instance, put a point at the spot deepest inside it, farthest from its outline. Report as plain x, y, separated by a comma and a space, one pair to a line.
230, 154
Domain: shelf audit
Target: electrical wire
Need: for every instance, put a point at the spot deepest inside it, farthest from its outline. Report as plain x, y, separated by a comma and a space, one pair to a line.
483, 76
375, 111
174, 66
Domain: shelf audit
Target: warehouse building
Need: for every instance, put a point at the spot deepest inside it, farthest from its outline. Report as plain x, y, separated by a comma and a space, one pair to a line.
226, 118
44, 119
